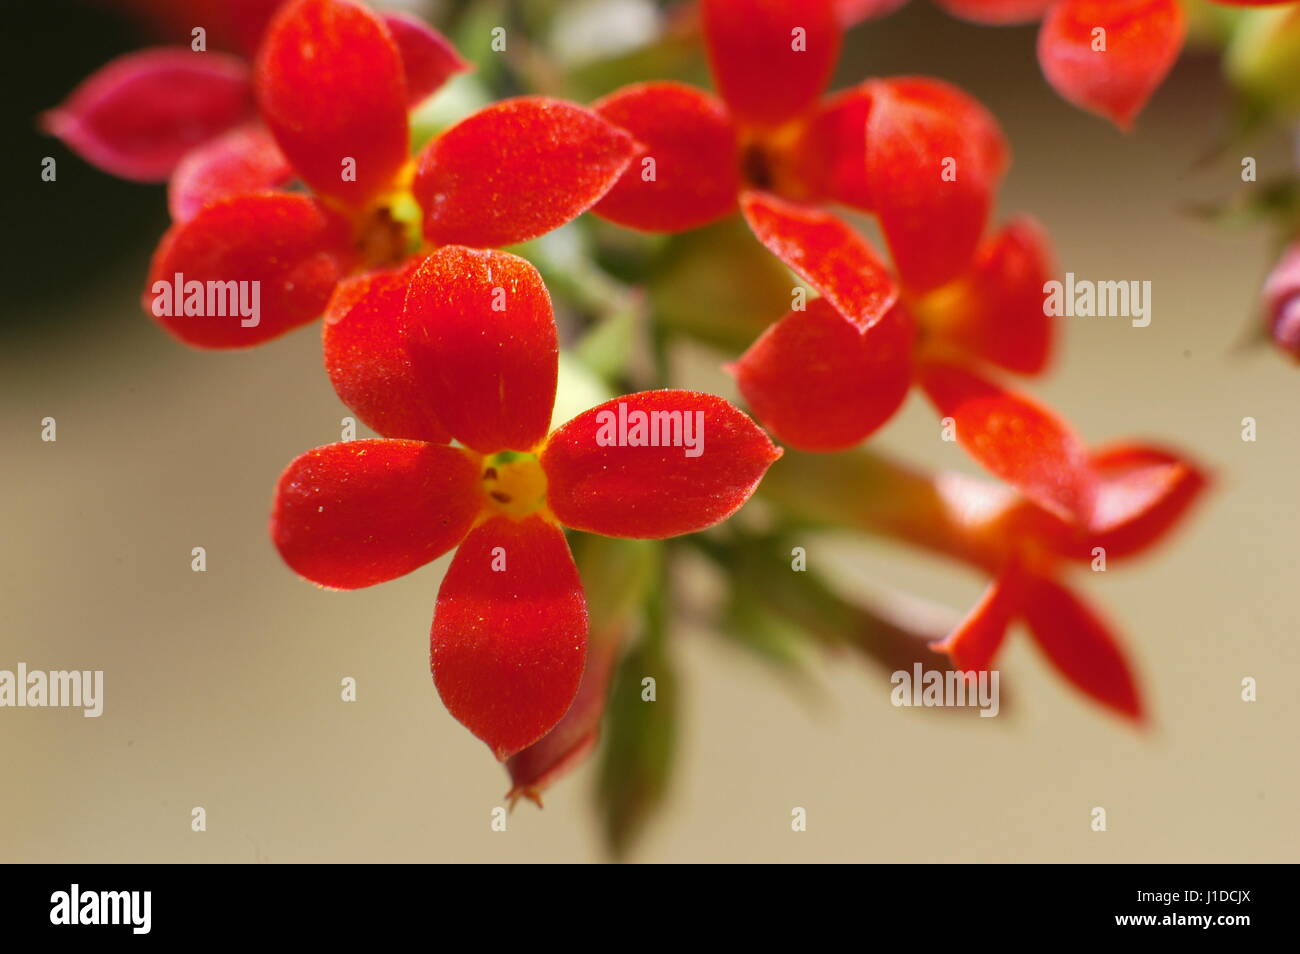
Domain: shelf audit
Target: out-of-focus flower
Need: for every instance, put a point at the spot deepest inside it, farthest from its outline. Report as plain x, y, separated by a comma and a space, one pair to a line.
462, 343
1142, 493
1105, 56
1261, 61
333, 89
1282, 302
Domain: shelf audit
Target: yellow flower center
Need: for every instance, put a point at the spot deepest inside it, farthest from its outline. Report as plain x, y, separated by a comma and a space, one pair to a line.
390, 228
514, 484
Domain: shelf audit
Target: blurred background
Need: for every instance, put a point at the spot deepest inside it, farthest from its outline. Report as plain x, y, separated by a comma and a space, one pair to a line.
222, 688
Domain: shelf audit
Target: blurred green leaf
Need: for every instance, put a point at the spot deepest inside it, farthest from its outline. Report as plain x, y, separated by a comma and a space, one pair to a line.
616, 574
720, 286
640, 738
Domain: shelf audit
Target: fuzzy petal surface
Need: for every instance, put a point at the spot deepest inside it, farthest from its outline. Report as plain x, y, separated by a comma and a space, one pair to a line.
934, 159
367, 360
517, 170
482, 339
604, 478
357, 513
771, 59
819, 383
332, 90
292, 246
826, 253
509, 638
689, 139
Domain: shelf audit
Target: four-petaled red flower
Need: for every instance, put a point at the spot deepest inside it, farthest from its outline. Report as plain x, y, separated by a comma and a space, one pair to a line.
882, 146
1141, 493
826, 376
462, 343
333, 90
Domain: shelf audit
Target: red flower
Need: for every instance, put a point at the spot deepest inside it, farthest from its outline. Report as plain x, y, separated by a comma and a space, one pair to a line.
472, 354
1112, 72
882, 146
1142, 493
141, 115
333, 90
826, 377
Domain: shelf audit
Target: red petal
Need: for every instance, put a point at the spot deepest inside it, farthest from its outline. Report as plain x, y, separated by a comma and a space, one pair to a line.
765, 69
1016, 439
533, 769
291, 246
1142, 493
996, 312
367, 359
598, 481
828, 254
1143, 39
832, 151
331, 88
934, 158
819, 383
137, 116
1282, 302
482, 337
517, 170
997, 12
361, 512
974, 643
691, 140
508, 645
243, 160
1081, 646
428, 57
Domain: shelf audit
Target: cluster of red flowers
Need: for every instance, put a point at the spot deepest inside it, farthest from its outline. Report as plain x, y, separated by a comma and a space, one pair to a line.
298, 175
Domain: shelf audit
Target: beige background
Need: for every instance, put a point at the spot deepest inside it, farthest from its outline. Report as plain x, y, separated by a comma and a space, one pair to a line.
222, 687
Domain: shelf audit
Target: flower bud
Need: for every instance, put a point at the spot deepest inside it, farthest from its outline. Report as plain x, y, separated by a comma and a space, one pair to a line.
1282, 302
